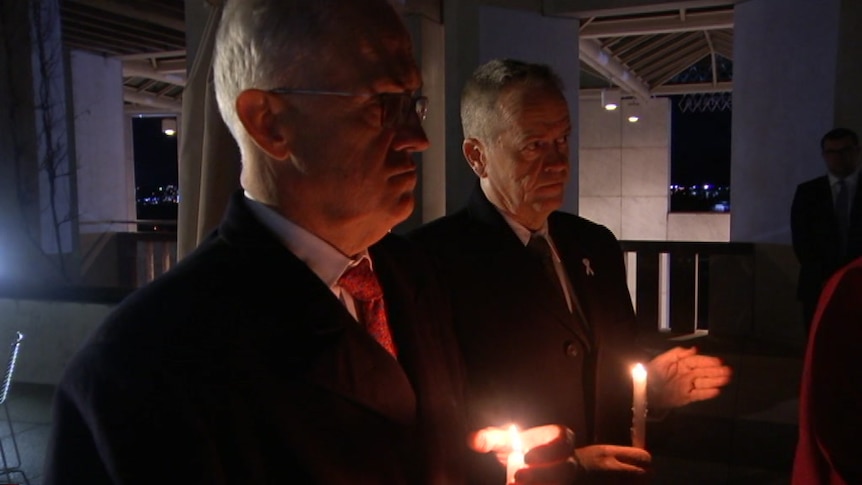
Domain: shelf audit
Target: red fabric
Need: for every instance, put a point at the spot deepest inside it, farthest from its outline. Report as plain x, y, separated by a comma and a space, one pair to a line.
363, 286
830, 401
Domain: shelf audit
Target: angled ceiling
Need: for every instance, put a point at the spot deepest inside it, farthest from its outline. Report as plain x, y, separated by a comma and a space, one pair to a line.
659, 53
149, 36
651, 51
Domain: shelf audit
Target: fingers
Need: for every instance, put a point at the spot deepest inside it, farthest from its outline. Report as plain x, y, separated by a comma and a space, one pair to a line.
703, 394
488, 439
673, 355
701, 361
547, 443
550, 436
705, 382
607, 458
562, 472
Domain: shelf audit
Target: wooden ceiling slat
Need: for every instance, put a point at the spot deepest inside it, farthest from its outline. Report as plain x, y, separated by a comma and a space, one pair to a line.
662, 48
131, 10
99, 41
658, 68
661, 77
145, 37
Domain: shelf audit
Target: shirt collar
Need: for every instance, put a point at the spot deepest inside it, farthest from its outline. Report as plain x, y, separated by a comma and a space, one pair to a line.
327, 262
525, 234
850, 180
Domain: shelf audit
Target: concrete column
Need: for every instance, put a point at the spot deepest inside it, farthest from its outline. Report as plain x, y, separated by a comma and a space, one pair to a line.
37, 174
796, 75
106, 190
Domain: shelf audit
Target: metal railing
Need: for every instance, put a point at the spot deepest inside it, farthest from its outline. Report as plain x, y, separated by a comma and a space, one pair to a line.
675, 286
687, 286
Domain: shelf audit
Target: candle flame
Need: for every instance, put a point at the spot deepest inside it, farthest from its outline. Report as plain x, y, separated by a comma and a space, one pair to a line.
639, 372
515, 439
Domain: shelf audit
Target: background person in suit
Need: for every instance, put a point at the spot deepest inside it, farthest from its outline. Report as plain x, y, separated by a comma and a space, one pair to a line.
827, 452
299, 343
548, 336
826, 218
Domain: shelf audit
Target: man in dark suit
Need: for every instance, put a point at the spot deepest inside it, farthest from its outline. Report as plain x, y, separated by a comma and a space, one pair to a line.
826, 218
299, 343
827, 452
542, 310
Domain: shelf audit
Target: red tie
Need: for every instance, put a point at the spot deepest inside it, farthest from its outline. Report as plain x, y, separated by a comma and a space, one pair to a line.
363, 286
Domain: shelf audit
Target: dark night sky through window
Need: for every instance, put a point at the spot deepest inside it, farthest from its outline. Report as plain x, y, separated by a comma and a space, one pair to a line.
155, 155
700, 146
700, 154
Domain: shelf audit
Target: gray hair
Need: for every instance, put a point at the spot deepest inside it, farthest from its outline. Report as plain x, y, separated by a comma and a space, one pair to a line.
264, 44
482, 91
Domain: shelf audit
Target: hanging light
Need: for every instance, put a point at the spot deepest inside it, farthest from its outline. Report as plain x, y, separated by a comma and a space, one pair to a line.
169, 126
634, 112
610, 99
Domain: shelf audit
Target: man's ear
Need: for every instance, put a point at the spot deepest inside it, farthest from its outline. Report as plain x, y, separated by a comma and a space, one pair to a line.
474, 152
262, 115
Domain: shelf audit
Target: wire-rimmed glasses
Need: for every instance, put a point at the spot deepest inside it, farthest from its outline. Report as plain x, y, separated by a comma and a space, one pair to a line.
396, 108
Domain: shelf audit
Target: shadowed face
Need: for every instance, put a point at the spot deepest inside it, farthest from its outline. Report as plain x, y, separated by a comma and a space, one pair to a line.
841, 156
355, 171
524, 166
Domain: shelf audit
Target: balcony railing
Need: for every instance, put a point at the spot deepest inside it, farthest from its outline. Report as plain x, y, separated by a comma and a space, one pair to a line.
687, 286
675, 286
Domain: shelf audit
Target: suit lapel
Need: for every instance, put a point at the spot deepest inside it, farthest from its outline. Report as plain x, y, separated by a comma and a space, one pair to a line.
514, 263
306, 332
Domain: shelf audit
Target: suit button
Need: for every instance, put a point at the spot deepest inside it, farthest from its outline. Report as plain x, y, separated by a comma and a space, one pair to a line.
571, 349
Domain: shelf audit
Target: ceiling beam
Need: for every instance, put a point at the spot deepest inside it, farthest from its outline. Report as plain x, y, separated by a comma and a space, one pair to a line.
669, 90
154, 55
604, 63
145, 69
148, 100
665, 24
127, 9
695, 88
713, 65
604, 8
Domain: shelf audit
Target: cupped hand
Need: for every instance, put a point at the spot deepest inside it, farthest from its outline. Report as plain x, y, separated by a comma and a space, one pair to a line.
681, 376
612, 458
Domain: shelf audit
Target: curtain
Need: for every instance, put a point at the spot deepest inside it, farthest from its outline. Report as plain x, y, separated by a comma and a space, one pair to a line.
209, 161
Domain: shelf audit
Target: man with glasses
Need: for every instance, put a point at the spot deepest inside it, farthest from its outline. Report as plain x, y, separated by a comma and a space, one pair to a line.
299, 343
826, 218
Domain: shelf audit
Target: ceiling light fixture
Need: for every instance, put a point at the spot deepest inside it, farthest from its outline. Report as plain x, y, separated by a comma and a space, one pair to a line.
610, 99
169, 126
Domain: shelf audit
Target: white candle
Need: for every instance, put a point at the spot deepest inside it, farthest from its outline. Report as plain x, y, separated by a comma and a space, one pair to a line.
639, 406
515, 460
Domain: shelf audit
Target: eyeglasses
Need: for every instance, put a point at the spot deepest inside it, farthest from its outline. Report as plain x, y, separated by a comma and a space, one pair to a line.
841, 151
396, 108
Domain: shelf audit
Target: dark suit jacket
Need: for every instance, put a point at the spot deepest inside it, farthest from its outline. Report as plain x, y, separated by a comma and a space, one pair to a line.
241, 366
529, 360
814, 229
827, 452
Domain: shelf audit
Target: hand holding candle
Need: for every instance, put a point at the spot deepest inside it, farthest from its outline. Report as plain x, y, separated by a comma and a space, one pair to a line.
541, 454
515, 460
639, 406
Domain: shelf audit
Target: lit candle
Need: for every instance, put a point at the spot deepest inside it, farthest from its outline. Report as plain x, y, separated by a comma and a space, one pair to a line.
516, 456
639, 406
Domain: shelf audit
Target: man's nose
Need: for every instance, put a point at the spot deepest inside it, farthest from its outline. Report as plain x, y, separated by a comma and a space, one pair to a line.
411, 137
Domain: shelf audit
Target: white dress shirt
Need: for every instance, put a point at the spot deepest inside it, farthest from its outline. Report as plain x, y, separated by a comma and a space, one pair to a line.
324, 260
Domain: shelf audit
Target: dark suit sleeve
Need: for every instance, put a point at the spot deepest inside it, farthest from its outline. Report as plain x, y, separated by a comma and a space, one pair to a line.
802, 231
